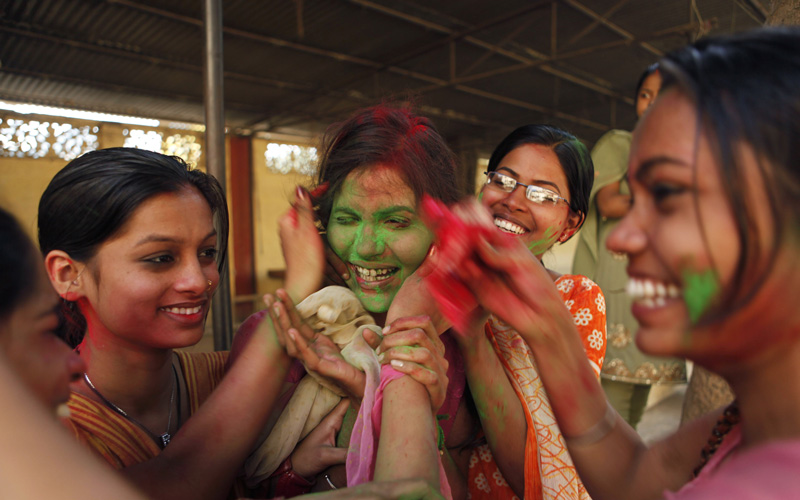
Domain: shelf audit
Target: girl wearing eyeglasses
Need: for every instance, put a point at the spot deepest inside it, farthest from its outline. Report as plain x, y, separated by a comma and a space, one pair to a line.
537, 188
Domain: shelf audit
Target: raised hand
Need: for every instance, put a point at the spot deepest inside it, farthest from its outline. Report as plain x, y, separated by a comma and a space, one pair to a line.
413, 347
302, 246
317, 352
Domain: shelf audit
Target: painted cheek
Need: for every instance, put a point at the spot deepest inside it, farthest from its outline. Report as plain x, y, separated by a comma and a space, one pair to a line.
541, 245
701, 290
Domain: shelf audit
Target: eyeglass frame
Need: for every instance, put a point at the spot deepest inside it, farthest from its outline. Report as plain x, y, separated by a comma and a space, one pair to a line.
528, 188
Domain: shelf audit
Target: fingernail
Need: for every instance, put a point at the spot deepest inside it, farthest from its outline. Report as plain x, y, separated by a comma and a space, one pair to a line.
300, 193
386, 329
378, 351
396, 363
345, 276
277, 310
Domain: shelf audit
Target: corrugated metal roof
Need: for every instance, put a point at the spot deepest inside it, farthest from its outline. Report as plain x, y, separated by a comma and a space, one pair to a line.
299, 65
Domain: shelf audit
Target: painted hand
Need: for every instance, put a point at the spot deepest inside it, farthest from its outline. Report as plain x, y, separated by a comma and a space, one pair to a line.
302, 246
336, 271
318, 450
317, 352
412, 345
508, 280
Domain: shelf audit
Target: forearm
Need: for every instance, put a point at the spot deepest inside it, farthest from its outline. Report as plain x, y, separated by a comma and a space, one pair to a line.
203, 458
580, 407
499, 409
407, 443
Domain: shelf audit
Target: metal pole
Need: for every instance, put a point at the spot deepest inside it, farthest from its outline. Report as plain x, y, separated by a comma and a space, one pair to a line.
215, 153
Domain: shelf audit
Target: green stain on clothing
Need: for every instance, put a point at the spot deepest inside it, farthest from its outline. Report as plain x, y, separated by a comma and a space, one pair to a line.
701, 288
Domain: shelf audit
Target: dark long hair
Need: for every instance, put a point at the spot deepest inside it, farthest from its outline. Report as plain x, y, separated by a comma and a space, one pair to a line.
746, 90
572, 154
18, 261
91, 198
391, 136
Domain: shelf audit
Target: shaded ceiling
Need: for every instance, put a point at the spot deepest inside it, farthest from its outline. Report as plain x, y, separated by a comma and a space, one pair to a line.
478, 68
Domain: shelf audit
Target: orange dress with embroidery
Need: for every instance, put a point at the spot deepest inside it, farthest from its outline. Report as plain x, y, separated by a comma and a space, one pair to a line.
549, 472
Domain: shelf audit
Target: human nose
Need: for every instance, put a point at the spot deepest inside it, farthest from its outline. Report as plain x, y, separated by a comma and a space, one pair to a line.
628, 236
368, 243
516, 199
193, 277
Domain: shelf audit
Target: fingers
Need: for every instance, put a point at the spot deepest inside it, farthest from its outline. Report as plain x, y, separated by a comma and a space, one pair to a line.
411, 331
330, 455
280, 332
291, 315
336, 416
297, 347
339, 267
372, 338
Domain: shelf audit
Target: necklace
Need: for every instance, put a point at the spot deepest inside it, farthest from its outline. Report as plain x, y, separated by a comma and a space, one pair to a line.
163, 440
727, 420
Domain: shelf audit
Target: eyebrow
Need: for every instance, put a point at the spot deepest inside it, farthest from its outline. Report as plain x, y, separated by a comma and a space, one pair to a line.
649, 164
378, 213
159, 238
536, 182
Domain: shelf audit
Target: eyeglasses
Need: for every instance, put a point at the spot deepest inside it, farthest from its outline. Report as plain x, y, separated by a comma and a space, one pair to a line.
536, 194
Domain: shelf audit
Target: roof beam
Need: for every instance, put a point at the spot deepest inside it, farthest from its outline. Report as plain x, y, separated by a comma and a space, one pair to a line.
613, 27
394, 69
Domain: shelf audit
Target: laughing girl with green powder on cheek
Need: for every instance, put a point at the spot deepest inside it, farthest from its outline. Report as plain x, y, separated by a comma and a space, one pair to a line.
375, 168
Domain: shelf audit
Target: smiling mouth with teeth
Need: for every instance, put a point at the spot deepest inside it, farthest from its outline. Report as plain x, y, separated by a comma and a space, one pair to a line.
366, 274
509, 227
651, 293
183, 310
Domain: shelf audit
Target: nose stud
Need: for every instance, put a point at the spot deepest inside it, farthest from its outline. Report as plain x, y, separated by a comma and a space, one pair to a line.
209, 284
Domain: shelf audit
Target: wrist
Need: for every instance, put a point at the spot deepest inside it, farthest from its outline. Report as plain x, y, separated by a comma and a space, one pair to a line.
287, 482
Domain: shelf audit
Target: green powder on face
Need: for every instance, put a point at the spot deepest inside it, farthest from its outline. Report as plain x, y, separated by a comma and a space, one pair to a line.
701, 288
540, 246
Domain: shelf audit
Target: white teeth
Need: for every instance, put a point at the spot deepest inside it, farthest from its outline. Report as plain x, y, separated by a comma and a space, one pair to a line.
183, 310
509, 227
651, 293
373, 274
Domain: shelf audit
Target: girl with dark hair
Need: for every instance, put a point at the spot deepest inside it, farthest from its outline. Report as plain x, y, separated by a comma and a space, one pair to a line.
537, 192
555, 171
713, 244
36, 368
375, 169
133, 243
28, 320
628, 373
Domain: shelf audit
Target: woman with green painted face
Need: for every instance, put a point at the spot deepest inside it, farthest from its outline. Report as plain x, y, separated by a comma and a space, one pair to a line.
375, 169
713, 245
